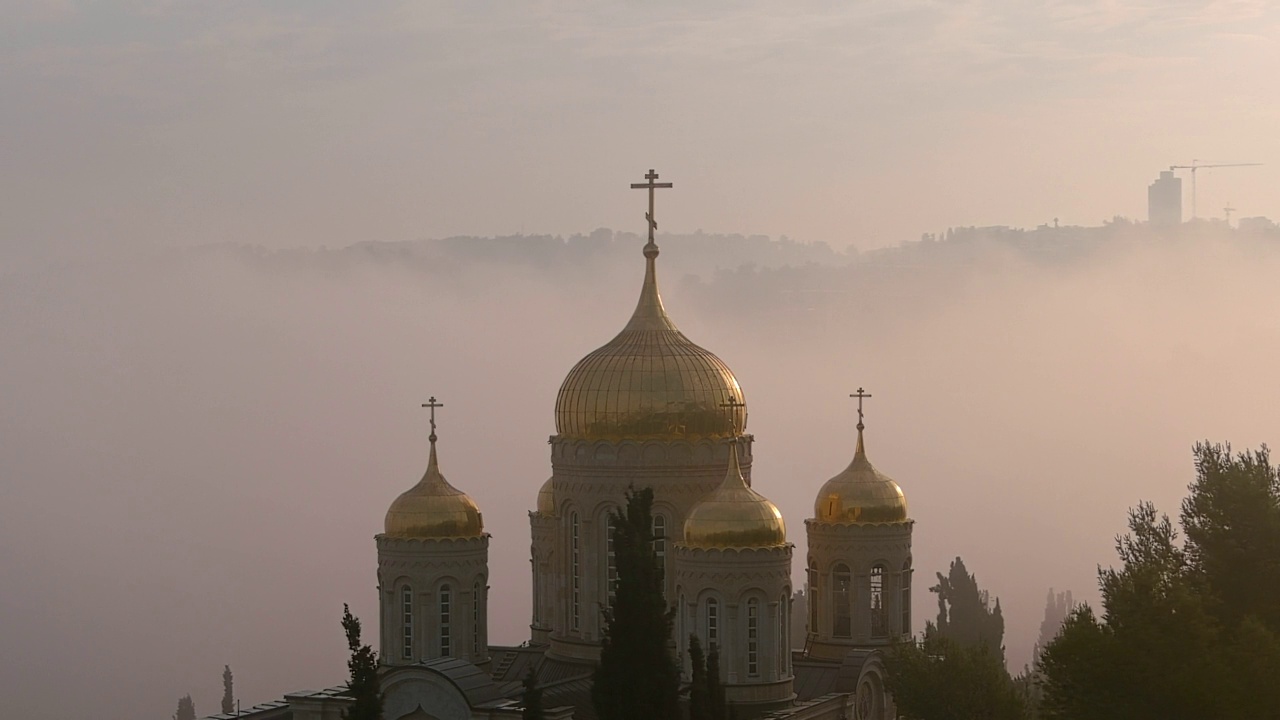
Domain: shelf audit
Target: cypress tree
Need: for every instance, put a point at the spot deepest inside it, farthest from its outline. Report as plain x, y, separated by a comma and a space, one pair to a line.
363, 686
531, 699
637, 678
715, 688
228, 696
699, 700
186, 709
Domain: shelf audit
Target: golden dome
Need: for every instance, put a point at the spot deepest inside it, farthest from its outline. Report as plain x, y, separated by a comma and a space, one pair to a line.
734, 515
546, 499
434, 509
649, 381
860, 494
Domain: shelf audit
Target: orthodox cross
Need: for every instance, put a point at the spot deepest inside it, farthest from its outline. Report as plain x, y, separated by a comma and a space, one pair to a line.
650, 186
860, 395
733, 404
431, 403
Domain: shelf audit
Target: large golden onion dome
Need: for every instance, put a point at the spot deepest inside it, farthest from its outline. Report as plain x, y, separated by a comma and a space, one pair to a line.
860, 494
649, 381
434, 509
734, 516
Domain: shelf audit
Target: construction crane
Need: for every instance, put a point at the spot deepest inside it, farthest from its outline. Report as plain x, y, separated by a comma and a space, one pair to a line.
1194, 166
1226, 211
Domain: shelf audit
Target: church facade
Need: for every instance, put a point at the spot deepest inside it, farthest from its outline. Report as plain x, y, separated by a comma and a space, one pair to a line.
649, 408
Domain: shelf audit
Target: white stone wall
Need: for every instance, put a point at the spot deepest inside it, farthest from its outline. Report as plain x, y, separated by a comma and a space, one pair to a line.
735, 580
860, 548
589, 479
426, 568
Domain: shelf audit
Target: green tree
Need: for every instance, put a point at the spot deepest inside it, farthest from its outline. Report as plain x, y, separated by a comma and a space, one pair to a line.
1182, 633
699, 699
531, 699
363, 687
637, 678
965, 612
716, 703
957, 670
940, 678
186, 709
228, 694
1231, 518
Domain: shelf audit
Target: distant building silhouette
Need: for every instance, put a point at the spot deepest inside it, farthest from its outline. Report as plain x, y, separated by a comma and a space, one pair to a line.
1164, 200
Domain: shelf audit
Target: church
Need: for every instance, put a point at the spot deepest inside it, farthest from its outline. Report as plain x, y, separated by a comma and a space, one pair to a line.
649, 408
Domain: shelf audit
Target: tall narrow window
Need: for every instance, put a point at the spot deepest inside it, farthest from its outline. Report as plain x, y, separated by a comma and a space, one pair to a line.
446, 607
809, 595
406, 607
575, 571
713, 623
753, 637
841, 603
611, 582
660, 543
878, 628
475, 620
905, 598
784, 632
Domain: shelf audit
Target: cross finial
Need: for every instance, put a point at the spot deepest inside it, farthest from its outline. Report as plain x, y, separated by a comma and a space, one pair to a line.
733, 404
861, 394
651, 176
431, 403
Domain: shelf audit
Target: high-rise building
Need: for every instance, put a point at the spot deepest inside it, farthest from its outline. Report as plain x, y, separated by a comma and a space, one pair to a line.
1164, 200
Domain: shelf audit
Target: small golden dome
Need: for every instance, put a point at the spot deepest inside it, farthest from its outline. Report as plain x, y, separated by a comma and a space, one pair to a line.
649, 381
434, 509
734, 516
546, 499
860, 494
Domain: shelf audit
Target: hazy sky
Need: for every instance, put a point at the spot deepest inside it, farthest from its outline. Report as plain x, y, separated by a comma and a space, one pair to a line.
195, 452
157, 122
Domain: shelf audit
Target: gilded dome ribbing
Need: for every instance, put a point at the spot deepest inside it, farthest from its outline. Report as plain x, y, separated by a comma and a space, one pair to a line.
734, 516
860, 494
433, 509
649, 381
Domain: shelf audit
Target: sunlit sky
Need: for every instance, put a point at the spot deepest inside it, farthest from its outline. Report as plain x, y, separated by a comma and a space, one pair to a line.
152, 123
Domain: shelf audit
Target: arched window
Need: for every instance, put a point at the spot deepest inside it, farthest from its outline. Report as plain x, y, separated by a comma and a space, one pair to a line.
475, 619
906, 597
660, 543
841, 602
753, 637
446, 607
406, 607
713, 623
575, 572
611, 555
876, 605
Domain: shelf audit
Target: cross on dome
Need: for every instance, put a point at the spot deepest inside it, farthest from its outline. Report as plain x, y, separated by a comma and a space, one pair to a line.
732, 404
431, 403
651, 176
861, 394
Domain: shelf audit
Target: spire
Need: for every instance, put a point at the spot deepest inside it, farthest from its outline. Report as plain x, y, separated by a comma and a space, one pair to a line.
733, 478
860, 451
649, 314
432, 477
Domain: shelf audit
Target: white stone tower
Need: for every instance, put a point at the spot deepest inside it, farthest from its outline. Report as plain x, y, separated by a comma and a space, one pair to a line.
733, 587
859, 565
644, 410
433, 571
